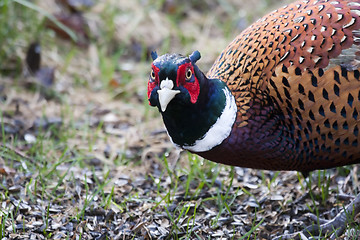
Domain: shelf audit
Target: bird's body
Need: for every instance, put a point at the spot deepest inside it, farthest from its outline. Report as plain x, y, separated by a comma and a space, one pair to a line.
292, 94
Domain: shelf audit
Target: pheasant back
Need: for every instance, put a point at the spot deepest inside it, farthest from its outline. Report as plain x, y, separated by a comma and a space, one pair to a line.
300, 62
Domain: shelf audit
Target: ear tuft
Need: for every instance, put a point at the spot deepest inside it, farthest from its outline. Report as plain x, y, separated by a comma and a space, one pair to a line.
195, 56
154, 55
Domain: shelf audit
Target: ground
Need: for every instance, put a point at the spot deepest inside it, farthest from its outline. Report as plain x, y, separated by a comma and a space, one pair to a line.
83, 155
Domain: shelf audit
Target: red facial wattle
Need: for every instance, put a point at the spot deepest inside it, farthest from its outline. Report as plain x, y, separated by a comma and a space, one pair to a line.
153, 81
192, 84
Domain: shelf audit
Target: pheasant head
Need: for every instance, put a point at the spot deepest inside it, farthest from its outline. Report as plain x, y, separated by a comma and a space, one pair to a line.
195, 110
174, 77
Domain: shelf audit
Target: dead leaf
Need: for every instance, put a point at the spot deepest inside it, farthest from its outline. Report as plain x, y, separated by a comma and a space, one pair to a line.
4, 170
74, 21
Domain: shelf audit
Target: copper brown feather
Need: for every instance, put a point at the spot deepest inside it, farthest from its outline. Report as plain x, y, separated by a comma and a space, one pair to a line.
300, 62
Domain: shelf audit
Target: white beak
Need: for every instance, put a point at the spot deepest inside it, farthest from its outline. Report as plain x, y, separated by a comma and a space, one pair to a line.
166, 93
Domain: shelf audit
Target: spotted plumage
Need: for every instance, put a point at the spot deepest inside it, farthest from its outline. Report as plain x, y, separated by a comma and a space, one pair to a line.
294, 78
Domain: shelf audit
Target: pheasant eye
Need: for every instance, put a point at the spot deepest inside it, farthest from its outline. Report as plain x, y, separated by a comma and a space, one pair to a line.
188, 74
152, 75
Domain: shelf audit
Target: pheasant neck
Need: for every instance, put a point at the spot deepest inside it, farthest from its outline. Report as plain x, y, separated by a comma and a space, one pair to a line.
201, 126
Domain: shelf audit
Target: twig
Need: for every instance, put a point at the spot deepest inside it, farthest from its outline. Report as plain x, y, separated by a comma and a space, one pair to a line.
19, 153
337, 225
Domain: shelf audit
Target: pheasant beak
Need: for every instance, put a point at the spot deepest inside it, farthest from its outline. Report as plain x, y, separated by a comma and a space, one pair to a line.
166, 93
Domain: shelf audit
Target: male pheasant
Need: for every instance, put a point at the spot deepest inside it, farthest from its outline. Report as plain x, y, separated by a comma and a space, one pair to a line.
283, 95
